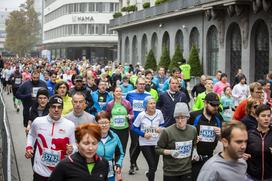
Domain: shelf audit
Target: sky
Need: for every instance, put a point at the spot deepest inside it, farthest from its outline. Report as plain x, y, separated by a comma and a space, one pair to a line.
10, 4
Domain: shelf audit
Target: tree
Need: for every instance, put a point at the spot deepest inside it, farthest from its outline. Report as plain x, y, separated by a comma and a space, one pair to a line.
177, 58
151, 62
23, 29
165, 58
196, 68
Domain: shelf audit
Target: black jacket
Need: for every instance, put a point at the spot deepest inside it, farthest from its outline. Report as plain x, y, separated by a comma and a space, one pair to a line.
250, 122
33, 112
261, 157
74, 168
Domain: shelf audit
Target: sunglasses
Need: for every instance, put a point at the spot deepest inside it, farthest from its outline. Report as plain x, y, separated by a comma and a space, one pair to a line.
214, 105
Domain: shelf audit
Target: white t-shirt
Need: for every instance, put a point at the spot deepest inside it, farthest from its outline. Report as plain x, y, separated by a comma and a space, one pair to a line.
149, 123
240, 92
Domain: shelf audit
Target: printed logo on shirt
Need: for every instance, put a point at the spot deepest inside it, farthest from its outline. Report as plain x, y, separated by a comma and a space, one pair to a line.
137, 105
206, 133
184, 148
62, 131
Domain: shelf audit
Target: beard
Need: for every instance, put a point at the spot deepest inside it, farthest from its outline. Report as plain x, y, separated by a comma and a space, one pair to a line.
210, 113
35, 82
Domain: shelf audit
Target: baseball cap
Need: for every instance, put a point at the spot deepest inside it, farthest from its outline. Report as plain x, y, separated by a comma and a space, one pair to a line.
212, 98
78, 78
55, 99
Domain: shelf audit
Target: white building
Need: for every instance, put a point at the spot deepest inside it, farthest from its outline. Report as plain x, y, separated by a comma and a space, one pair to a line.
80, 28
3, 17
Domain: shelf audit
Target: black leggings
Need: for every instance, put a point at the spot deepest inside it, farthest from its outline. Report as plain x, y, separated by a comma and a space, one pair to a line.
134, 149
123, 136
152, 160
37, 177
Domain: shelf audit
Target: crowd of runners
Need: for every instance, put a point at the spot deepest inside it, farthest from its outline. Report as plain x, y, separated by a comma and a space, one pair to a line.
78, 118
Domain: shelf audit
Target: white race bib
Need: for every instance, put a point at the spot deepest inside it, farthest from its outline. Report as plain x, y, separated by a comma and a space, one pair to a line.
152, 130
18, 81
50, 157
102, 104
119, 121
206, 133
35, 91
111, 171
184, 148
138, 105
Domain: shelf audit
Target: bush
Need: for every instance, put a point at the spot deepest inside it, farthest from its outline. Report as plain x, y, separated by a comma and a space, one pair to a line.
132, 8
196, 68
165, 58
117, 15
177, 58
151, 62
124, 9
157, 2
146, 5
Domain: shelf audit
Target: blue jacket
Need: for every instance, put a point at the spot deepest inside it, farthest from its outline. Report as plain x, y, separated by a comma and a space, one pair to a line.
109, 149
96, 104
51, 87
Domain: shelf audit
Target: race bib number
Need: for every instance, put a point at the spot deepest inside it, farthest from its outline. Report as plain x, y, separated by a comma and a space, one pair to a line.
153, 132
184, 149
111, 171
206, 133
18, 81
119, 121
138, 105
35, 91
50, 158
102, 104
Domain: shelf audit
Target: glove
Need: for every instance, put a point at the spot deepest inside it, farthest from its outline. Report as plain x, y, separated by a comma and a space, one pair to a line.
175, 153
195, 155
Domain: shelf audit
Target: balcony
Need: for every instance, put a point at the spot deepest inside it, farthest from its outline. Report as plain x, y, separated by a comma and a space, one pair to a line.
167, 8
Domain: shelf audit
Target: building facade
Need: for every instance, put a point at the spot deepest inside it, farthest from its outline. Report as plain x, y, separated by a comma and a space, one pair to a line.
80, 28
3, 17
229, 34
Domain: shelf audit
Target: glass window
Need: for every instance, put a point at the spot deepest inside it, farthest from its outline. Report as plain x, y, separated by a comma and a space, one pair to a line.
75, 29
116, 7
90, 29
112, 7
99, 7
70, 29
83, 29
91, 7
105, 7
71, 8
83, 7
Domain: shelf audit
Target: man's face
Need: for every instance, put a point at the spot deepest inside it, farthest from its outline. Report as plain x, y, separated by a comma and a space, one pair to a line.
176, 74
236, 147
257, 93
141, 85
161, 71
42, 100
53, 78
78, 84
35, 78
203, 80
62, 90
209, 85
55, 111
78, 103
264, 118
102, 86
218, 75
149, 76
211, 109
243, 81
173, 85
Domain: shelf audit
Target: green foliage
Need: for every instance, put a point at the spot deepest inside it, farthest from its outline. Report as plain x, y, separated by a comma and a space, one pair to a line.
132, 8
117, 15
151, 62
157, 2
124, 9
23, 29
146, 5
165, 58
194, 61
177, 58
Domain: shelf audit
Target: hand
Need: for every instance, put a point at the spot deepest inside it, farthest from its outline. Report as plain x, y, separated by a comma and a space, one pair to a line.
246, 156
270, 149
29, 153
195, 155
27, 129
197, 139
174, 153
148, 135
117, 169
69, 149
129, 116
217, 131
158, 130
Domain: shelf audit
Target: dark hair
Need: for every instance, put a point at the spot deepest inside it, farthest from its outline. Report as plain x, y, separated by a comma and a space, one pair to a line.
87, 128
102, 115
225, 88
229, 126
261, 108
175, 70
60, 84
148, 71
171, 79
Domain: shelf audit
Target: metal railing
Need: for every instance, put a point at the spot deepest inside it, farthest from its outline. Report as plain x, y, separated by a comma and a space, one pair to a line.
6, 141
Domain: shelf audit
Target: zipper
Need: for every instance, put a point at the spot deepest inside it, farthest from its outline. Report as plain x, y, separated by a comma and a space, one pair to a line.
262, 137
52, 133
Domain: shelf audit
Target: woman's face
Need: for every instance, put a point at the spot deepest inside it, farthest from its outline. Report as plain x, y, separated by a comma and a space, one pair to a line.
264, 118
62, 90
228, 91
151, 105
87, 146
117, 93
104, 124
